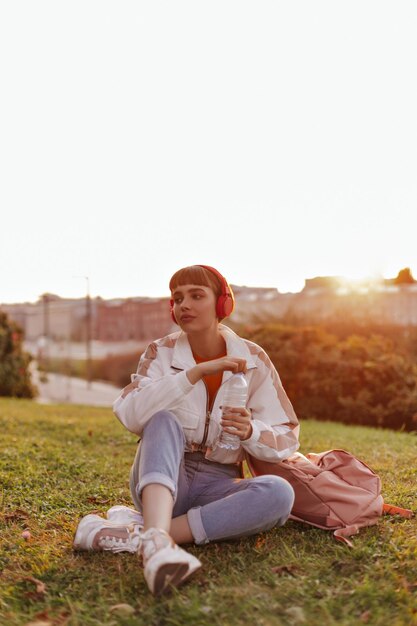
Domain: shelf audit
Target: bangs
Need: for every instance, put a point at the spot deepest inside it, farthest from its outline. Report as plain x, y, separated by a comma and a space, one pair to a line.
195, 275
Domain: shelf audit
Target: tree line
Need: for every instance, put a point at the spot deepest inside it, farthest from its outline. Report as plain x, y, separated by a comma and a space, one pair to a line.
366, 378
339, 371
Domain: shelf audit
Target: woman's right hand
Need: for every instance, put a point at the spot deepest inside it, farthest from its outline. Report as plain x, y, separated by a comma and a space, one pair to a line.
225, 363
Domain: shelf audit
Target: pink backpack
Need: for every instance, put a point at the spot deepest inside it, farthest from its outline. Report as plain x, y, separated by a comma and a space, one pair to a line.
333, 490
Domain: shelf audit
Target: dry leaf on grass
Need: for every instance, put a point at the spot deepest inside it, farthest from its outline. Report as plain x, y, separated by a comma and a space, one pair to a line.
292, 570
365, 617
40, 590
43, 618
15, 515
409, 587
96, 500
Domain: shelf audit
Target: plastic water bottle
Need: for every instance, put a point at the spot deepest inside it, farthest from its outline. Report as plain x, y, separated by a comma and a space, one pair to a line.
235, 397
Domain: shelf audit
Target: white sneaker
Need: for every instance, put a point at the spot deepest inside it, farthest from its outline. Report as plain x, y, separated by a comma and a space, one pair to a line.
95, 533
165, 564
120, 514
125, 515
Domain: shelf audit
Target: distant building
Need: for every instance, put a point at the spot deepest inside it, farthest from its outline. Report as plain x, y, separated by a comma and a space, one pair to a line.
322, 283
387, 301
139, 319
256, 304
243, 293
52, 316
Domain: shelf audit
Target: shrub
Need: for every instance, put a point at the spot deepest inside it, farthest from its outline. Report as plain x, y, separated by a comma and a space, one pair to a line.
356, 380
15, 379
117, 368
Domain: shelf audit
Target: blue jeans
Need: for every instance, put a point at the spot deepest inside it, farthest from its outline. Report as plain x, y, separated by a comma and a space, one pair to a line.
218, 503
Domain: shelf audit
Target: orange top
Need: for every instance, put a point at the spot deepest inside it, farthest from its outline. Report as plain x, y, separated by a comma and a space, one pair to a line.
212, 381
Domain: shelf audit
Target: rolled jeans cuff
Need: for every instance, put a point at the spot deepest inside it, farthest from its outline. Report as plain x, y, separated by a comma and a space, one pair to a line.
196, 526
159, 479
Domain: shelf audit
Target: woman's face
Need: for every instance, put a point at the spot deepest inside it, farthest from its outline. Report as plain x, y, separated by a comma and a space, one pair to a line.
194, 307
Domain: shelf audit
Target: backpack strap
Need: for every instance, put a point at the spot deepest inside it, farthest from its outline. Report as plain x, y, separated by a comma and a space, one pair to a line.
342, 534
390, 509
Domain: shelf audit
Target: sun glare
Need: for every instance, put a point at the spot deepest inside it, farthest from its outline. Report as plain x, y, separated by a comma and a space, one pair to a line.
361, 283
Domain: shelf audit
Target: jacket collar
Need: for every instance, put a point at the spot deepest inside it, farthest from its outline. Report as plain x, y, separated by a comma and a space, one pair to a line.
235, 346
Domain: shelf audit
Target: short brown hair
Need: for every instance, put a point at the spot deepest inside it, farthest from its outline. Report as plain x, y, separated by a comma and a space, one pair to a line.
196, 275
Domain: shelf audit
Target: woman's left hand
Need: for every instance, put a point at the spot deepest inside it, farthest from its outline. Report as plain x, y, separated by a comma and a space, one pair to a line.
237, 422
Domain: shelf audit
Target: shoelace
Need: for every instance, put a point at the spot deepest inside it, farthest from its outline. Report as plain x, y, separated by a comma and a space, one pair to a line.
118, 544
149, 544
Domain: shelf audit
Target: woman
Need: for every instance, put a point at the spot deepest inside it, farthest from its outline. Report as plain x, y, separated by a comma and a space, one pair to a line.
185, 487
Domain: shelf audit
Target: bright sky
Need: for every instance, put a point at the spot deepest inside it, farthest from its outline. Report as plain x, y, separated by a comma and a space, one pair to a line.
275, 140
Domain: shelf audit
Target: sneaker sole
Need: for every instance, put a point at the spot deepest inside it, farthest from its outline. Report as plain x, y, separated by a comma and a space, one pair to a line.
168, 576
169, 568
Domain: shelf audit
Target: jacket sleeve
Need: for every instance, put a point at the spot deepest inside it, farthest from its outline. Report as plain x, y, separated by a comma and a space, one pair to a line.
151, 390
275, 426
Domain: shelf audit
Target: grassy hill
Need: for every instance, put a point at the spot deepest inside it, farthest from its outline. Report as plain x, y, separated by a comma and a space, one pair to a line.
58, 463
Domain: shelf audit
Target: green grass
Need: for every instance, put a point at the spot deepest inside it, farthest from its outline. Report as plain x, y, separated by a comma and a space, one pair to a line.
58, 463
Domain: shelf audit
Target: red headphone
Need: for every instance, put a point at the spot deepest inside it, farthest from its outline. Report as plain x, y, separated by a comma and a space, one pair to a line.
225, 302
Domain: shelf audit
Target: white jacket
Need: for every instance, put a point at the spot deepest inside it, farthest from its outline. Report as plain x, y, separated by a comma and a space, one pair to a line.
161, 383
